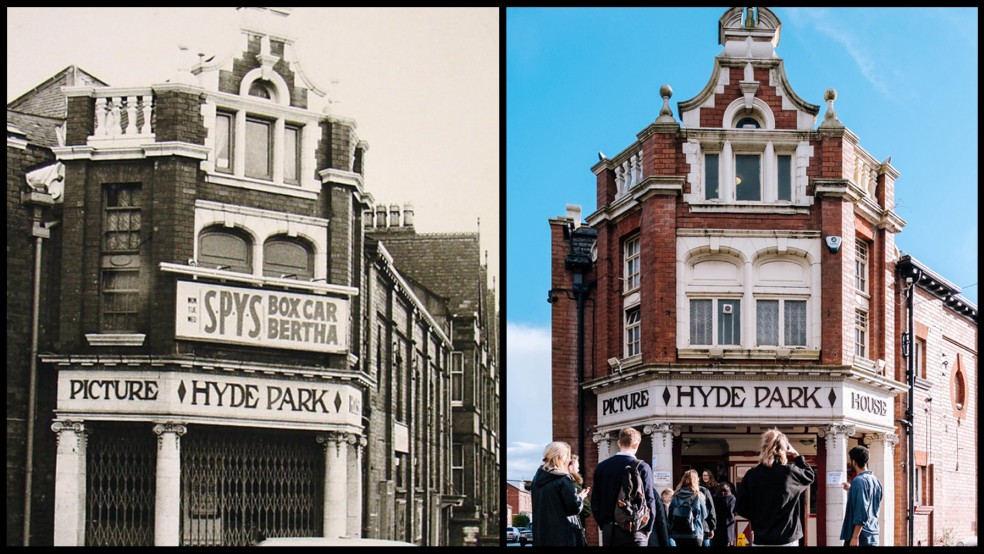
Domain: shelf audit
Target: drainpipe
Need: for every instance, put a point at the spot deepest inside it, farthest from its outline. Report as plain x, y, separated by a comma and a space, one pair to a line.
909, 412
38, 200
579, 260
911, 278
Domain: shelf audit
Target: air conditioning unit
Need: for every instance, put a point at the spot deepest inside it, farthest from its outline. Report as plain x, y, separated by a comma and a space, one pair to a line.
727, 309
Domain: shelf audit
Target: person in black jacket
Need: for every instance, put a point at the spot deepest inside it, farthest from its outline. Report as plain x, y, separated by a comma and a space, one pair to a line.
724, 505
555, 498
607, 476
771, 493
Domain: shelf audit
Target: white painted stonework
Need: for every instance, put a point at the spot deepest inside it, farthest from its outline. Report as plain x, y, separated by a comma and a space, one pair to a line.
748, 265
741, 401
217, 313
212, 398
261, 225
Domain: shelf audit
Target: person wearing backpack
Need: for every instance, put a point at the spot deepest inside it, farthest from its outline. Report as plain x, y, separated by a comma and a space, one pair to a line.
770, 494
631, 522
688, 511
555, 499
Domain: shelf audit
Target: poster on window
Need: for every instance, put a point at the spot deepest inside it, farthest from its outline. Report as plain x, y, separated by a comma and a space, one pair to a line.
262, 318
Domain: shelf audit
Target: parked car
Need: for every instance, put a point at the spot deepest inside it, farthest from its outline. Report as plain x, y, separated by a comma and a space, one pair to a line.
512, 534
526, 535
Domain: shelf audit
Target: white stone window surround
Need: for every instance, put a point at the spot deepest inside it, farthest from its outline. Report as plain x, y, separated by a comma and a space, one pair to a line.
749, 265
281, 114
261, 225
631, 260
635, 337
769, 145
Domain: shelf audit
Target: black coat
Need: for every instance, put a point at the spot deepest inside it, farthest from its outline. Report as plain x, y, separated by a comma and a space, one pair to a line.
724, 505
554, 498
771, 498
710, 522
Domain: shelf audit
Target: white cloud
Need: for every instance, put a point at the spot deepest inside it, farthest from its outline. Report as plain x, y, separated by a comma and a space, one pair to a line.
528, 398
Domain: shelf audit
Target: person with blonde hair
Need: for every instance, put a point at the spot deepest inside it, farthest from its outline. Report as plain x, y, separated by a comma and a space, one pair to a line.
555, 498
688, 499
771, 493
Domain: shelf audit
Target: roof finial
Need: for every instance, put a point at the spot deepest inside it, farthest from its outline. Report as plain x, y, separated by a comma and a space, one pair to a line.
830, 118
749, 18
666, 114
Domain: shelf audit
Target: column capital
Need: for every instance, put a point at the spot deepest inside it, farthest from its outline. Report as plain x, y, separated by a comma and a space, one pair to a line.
70, 426
889, 439
66, 425
600, 436
177, 429
338, 438
836, 429
662, 428
170, 427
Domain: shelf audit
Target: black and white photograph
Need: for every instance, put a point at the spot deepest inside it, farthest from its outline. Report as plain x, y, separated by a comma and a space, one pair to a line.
253, 277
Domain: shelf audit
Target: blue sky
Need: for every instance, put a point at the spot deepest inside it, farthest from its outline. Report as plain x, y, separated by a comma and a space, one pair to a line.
579, 81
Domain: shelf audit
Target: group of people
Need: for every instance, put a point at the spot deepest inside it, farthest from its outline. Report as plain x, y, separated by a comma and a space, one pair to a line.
700, 511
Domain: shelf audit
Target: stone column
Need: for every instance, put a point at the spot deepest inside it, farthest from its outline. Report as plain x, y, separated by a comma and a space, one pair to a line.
604, 442
881, 447
356, 446
167, 499
662, 436
836, 436
336, 483
70, 482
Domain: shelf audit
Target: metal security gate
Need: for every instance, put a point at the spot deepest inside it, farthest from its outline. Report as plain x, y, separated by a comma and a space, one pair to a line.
120, 466
238, 484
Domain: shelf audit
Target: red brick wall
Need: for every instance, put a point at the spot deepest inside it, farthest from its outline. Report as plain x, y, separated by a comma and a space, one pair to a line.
713, 117
658, 279
563, 346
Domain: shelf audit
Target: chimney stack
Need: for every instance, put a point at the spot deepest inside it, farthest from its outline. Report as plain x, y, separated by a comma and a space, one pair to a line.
380, 217
394, 215
407, 215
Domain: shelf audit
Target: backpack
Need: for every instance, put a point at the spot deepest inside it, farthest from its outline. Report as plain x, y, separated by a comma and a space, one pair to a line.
631, 509
682, 518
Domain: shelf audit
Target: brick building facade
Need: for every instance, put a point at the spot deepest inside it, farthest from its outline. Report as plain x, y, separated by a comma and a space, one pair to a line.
222, 352
739, 273
472, 311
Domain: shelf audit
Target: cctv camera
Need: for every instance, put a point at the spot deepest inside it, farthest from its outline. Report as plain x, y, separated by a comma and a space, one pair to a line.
833, 244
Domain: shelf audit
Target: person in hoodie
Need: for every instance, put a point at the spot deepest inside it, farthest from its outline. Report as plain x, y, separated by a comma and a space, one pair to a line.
555, 499
689, 491
771, 493
724, 505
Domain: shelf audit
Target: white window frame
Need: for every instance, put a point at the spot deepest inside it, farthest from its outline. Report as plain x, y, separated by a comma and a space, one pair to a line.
716, 309
862, 324
781, 333
861, 259
741, 267
282, 115
919, 353
458, 466
744, 143
633, 332
632, 259
458, 370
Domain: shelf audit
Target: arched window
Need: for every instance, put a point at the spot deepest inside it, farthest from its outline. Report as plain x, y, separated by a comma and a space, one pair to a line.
262, 89
229, 249
959, 389
285, 256
748, 123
